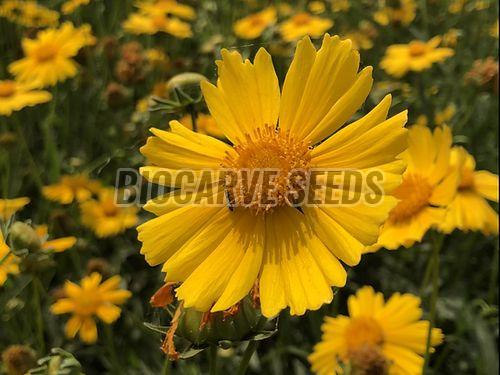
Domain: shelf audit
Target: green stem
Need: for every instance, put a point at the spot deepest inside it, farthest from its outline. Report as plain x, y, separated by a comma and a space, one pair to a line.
247, 355
493, 277
438, 244
110, 345
37, 304
212, 359
166, 367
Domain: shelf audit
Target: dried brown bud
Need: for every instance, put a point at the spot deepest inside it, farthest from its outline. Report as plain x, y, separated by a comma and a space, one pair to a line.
18, 359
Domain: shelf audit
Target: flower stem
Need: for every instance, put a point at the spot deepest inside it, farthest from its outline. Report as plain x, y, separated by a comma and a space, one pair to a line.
438, 244
37, 303
247, 355
212, 359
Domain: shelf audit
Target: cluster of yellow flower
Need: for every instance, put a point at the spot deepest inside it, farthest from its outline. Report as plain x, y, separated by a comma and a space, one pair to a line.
285, 256
28, 13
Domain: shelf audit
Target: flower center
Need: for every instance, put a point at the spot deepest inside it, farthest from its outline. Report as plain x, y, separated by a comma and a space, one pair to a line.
109, 208
361, 332
267, 170
302, 19
417, 48
256, 20
7, 89
467, 181
88, 302
414, 193
368, 360
45, 52
160, 21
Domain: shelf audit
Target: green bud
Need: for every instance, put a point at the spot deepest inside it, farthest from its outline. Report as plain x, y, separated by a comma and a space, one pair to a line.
24, 236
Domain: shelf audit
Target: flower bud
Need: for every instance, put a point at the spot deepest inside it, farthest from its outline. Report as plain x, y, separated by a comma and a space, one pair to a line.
18, 359
23, 236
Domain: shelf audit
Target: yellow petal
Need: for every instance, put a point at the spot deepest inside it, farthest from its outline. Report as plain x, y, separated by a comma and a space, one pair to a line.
486, 183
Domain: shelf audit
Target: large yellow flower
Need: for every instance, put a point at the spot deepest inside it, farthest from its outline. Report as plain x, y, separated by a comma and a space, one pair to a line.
416, 56
302, 24
15, 96
292, 254
48, 58
104, 217
9, 263
376, 338
9, 207
253, 26
158, 16
89, 300
429, 185
75, 187
470, 209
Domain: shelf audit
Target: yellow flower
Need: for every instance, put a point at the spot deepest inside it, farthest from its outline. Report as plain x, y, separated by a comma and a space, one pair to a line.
15, 96
429, 185
89, 300
445, 116
156, 57
9, 263
302, 24
206, 125
360, 40
9, 207
104, 217
316, 7
48, 58
57, 245
416, 56
155, 17
450, 38
28, 13
377, 337
470, 209
340, 5
292, 256
70, 6
75, 187
456, 6
403, 14
252, 26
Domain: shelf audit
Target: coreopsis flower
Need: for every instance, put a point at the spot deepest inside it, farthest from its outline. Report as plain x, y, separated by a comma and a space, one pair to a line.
429, 185
416, 56
450, 38
252, 26
9, 207
70, 6
302, 24
403, 13
71, 188
48, 58
15, 96
340, 5
290, 254
205, 124
377, 337
456, 6
160, 16
57, 245
105, 217
316, 7
28, 13
90, 300
9, 263
470, 210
